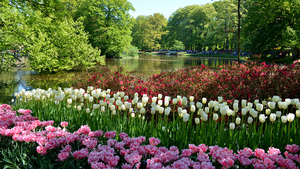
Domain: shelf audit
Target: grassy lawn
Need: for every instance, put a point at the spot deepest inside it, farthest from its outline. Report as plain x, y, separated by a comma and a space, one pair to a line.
285, 60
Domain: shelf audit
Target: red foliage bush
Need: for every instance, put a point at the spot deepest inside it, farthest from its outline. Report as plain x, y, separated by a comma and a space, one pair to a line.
248, 81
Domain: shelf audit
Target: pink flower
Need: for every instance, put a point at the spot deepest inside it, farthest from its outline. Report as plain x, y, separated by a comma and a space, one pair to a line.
246, 152
122, 135
273, 150
113, 161
202, 148
226, 162
98, 165
259, 153
289, 156
111, 142
98, 133
292, 148
84, 130
193, 148
62, 156
127, 166
133, 158
268, 163
154, 141
244, 161
80, 154
110, 134
41, 150
64, 124
203, 157
186, 153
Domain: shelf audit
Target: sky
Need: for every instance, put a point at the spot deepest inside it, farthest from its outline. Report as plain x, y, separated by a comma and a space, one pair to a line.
165, 7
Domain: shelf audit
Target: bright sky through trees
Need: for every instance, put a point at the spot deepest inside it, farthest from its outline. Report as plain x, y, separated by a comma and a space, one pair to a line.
165, 7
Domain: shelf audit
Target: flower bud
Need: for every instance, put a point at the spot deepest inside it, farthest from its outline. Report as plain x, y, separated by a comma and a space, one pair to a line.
163, 128
154, 99
262, 118
290, 117
249, 120
268, 111
88, 110
199, 105
238, 121
191, 98
259, 107
298, 113
143, 111
167, 111
272, 117
276, 99
204, 117
206, 109
220, 99
283, 119
215, 116
232, 126
159, 96
69, 101
197, 120
193, 109
244, 111
204, 100
244, 103
278, 114
160, 102
174, 101
186, 117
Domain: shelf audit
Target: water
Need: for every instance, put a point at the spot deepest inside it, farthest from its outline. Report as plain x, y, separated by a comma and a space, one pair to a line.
147, 65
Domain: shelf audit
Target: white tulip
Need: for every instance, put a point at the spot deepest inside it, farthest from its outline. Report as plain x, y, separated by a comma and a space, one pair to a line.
204, 100
178, 98
102, 109
254, 114
290, 117
276, 99
154, 99
236, 101
256, 101
153, 110
167, 102
278, 114
193, 108
160, 102
235, 107
244, 102
288, 101
191, 98
264, 102
87, 110
232, 126
215, 116
167, 111
262, 118
179, 110
153, 104
238, 120
96, 106
230, 112
199, 105
132, 115
174, 101
139, 105
56, 102
69, 101
298, 105
249, 120
271, 105
91, 99
268, 111
206, 109
161, 110
272, 117
114, 112
259, 107
283, 119
145, 100
136, 95
216, 108
204, 117
197, 120
282, 105
186, 117
163, 128
200, 112
184, 101
250, 105
211, 104
223, 110
298, 113
143, 111
159, 96
244, 111
126, 98
220, 99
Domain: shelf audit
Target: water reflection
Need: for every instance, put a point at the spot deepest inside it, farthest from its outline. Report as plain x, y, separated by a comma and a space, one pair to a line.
147, 65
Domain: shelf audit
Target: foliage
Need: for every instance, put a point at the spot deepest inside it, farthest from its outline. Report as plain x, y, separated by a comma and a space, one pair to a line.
272, 28
147, 31
108, 23
178, 45
130, 51
53, 42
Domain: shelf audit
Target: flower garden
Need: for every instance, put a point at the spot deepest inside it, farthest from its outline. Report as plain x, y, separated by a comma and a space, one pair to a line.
240, 116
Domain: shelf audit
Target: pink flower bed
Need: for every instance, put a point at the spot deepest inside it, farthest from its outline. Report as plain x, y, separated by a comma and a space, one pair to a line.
109, 150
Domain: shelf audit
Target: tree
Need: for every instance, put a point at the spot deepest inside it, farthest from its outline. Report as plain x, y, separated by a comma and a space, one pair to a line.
54, 42
270, 24
108, 22
178, 45
148, 30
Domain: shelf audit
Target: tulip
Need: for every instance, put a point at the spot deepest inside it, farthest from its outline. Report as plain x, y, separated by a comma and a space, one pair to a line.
197, 120
86, 96
295, 101
161, 110
288, 101
88, 110
199, 105
102, 109
122, 94
174, 101
254, 114
271, 105
191, 98
272, 117
298, 113
211, 104
167, 102
123, 107
114, 112
282, 105
153, 104
153, 110
143, 111
204, 100
154, 99
298, 105
186, 117
290, 117
244, 111
159, 96
163, 128
56, 102
278, 114
167, 111
200, 112
235, 107
126, 98
132, 115
259, 107
73, 97
184, 101
238, 120
139, 105
206, 109
236, 101
264, 102
96, 106
204, 117
283, 119
223, 110
69, 101
193, 108
68, 106
276, 99
145, 100
178, 98
232, 126
249, 120
220, 99
250, 105
216, 108
230, 112
268, 111
160, 102
256, 101
136, 95
215, 116
179, 110
262, 118
244, 103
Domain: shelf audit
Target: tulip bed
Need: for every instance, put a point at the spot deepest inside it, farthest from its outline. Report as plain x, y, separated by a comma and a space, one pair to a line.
241, 116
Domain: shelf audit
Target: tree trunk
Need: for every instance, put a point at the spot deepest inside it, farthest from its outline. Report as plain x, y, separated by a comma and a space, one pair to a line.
239, 31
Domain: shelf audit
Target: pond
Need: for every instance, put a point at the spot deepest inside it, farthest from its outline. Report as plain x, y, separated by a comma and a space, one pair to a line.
147, 65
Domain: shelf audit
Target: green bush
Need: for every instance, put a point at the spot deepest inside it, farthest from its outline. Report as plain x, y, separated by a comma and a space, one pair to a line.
130, 51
